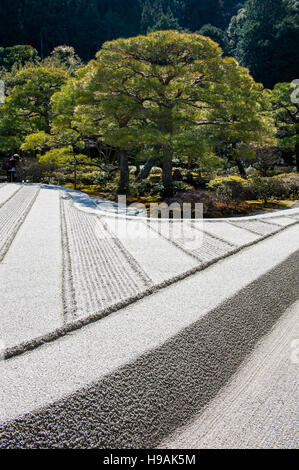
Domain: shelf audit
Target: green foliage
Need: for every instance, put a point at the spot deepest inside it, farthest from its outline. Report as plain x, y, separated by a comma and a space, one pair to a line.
230, 188
259, 33
265, 37
256, 187
266, 188
180, 186
220, 180
27, 109
285, 106
101, 178
62, 157
17, 54
167, 93
217, 35
64, 57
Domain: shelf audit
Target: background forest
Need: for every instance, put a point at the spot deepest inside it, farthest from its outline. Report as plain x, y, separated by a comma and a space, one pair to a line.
261, 36
127, 116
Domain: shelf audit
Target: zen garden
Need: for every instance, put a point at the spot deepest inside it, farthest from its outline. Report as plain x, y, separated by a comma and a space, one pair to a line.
149, 229
165, 116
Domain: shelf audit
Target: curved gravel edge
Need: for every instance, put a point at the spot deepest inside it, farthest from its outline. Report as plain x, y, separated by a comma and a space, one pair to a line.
166, 387
78, 324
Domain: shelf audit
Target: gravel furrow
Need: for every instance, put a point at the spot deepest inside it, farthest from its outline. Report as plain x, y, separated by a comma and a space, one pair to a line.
212, 248
12, 215
102, 273
181, 242
199, 244
68, 290
257, 226
283, 221
212, 235
2, 203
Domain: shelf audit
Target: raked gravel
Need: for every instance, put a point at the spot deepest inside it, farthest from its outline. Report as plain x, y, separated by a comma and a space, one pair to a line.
259, 406
187, 355
30, 287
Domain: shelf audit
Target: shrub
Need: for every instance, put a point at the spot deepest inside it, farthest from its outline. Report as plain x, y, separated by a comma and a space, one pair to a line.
251, 172
140, 188
156, 170
218, 182
34, 172
231, 188
158, 189
192, 197
262, 188
101, 178
112, 187
276, 187
180, 186
85, 178
290, 183
293, 187
266, 159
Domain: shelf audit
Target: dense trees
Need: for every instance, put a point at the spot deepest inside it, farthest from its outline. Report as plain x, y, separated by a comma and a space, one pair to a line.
285, 103
86, 24
196, 14
83, 24
266, 40
17, 54
259, 33
27, 109
156, 98
162, 96
260, 36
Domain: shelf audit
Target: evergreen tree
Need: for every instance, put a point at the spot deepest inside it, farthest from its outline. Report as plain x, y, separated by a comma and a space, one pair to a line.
166, 21
158, 15
266, 39
231, 8
147, 17
217, 35
201, 12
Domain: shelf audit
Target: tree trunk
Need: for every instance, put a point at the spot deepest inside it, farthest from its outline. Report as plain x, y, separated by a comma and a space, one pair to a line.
297, 147
146, 170
75, 175
124, 171
241, 169
167, 173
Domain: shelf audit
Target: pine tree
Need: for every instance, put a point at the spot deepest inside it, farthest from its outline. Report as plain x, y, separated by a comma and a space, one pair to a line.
166, 21
199, 13
147, 17
266, 37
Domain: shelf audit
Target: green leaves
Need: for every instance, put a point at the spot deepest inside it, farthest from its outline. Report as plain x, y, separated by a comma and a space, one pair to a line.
28, 107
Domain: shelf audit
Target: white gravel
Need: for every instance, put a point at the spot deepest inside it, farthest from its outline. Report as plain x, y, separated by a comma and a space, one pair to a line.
30, 287
6, 191
136, 376
259, 407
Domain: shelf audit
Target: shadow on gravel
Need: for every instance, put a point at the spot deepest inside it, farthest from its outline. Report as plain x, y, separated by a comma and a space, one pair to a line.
143, 402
